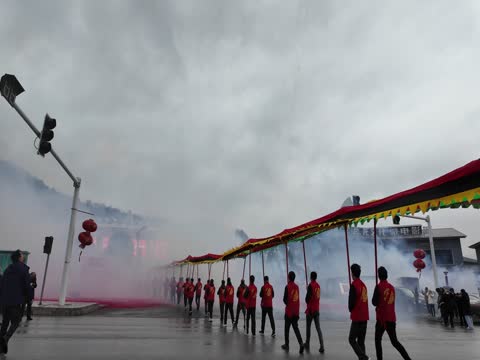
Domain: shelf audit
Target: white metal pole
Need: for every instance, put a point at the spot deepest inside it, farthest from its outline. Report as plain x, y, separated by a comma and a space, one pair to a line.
432, 252
68, 251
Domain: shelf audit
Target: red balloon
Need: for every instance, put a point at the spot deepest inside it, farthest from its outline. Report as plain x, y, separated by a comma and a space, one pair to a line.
85, 239
419, 254
419, 264
89, 225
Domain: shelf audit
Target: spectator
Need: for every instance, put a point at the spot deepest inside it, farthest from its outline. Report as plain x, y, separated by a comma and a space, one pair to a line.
15, 285
431, 302
466, 309
30, 295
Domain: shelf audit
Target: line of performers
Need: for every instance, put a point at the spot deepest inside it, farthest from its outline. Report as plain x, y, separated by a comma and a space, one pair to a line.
383, 299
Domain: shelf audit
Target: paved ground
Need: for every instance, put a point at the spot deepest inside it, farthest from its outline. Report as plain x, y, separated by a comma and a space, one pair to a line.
166, 334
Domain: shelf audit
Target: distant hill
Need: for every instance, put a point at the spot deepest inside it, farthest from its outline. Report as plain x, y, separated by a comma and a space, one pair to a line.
21, 184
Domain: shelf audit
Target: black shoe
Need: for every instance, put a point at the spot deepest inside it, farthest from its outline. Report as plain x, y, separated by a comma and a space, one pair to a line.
29, 318
261, 332
273, 335
322, 350
306, 346
302, 348
285, 347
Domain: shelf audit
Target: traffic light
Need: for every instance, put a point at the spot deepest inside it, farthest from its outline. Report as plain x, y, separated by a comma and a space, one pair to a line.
44, 147
47, 247
396, 220
10, 88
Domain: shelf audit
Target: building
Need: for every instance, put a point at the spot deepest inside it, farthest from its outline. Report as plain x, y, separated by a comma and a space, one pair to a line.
447, 242
476, 247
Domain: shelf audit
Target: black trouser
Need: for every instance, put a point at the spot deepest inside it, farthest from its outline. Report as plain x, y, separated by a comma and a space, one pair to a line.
190, 302
251, 316
206, 306
448, 315
316, 320
392, 333
462, 317
356, 338
240, 307
28, 307
292, 321
269, 311
210, 308
185, 300
228, 308
12, 315
197, 301
222, 310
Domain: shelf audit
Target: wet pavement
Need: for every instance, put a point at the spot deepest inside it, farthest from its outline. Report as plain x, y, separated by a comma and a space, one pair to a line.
165, 333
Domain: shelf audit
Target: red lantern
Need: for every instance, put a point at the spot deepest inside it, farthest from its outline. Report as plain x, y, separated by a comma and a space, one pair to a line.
89, 225
85, 239
419, 264
419, 254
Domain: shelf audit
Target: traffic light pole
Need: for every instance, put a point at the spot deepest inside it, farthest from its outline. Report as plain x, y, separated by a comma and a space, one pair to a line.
71, 228
44, 279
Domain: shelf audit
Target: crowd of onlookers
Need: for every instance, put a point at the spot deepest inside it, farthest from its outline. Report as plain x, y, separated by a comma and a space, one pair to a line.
451, 306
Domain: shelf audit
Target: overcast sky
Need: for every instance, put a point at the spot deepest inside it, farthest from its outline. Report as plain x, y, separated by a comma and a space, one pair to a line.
258, 115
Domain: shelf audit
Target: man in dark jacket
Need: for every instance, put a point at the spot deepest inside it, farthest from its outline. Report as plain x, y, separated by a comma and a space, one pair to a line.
15, 283
32, 285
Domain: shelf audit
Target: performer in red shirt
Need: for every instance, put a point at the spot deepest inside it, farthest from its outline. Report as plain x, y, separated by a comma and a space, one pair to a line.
291, 299
384, 300
241, 302
251, 296
229, 297
358, 307
211, 299
198, 293
313, 310
221, 299
267, 294
179, 290
190, 291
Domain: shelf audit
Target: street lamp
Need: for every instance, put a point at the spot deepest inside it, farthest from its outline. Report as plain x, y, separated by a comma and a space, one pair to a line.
10, 88
432, 247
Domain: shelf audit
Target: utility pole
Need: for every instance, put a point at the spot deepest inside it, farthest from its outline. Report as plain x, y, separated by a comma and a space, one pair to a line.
10, 88
432, 247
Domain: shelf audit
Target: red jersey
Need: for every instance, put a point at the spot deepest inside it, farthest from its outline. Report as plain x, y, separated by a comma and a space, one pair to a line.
221, 294
207, 290
267, 295
229, 293
189, 290
211, 293
179, 287
313, 304
240, 293
252, 296
292, 308
386, 302
360, 311
198, 288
